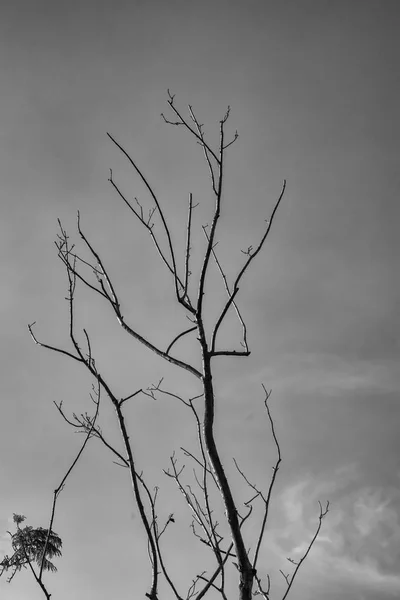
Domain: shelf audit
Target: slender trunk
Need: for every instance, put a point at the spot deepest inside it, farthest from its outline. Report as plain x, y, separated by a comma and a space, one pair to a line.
246, 572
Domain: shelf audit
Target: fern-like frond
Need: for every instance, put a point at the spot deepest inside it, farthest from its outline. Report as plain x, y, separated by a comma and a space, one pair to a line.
28, 544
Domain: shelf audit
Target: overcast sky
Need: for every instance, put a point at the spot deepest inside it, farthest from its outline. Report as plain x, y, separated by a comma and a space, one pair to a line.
314, 90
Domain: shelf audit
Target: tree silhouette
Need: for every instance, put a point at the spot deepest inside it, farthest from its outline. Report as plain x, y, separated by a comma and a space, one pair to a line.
218, 521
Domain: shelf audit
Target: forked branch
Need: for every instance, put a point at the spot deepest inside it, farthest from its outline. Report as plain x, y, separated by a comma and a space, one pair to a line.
251, 256
107, 291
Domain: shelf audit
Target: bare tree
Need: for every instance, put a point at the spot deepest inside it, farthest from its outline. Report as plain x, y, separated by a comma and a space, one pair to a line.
226, 540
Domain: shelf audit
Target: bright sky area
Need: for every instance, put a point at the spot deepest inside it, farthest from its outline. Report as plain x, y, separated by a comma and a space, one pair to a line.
314, 91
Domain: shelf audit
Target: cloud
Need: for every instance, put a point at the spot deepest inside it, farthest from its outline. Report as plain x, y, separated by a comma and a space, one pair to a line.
359, 542
327, 373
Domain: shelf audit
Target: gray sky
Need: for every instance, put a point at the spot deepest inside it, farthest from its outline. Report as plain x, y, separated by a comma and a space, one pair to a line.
314, 90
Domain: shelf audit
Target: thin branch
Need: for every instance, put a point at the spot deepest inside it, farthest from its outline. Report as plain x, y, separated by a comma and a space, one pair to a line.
64, 256
161, 353
272, 482
230, 353
187, 250
113, 298
322, 515
251, 255
261, 591
204, 591
217, 214
183, 122
83, 423
158, 534
189, 497
179, 336
149, 226
235, 306
235, 137
157, 388
54, 348
130, 396
193, 457
205, 149
59, 489
160, 212
192, 588
213, 585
